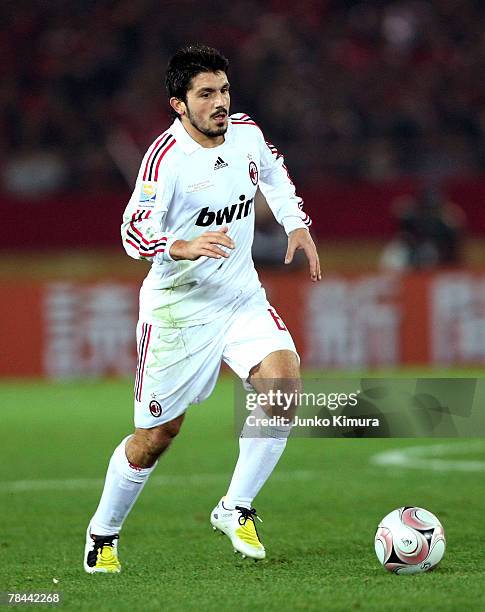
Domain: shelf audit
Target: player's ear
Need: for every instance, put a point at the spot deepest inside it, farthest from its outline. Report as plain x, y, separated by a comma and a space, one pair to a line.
178, 106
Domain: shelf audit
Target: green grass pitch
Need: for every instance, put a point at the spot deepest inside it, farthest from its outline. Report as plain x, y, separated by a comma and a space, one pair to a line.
320, 512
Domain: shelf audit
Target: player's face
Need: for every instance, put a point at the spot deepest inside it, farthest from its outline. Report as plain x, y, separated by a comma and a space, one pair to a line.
208, 101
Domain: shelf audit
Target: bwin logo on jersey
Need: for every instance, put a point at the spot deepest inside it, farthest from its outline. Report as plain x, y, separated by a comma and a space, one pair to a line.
225, 215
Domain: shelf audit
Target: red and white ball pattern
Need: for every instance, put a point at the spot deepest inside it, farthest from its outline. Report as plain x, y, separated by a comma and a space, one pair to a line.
410, 540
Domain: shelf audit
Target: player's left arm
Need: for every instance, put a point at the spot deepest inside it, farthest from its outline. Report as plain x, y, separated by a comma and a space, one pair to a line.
279, 191
300, 239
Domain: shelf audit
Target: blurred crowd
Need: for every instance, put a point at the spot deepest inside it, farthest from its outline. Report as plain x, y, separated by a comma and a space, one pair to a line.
348, 89
430, 232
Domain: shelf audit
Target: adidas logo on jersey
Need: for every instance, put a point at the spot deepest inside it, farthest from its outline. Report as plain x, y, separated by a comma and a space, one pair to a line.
220, 163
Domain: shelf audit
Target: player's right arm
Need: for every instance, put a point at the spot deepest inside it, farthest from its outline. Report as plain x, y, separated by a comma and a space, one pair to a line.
144, 228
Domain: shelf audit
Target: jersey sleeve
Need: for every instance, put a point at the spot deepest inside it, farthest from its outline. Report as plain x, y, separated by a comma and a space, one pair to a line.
142, 229
279, 190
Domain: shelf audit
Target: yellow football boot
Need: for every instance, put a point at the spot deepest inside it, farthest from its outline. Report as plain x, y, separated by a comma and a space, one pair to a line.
101, 554
238, 524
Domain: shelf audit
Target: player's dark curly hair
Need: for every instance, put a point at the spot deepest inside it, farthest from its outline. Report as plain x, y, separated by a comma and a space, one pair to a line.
187, 63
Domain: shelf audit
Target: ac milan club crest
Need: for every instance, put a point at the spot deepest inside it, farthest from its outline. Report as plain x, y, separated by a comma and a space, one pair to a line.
253, 173
155, 408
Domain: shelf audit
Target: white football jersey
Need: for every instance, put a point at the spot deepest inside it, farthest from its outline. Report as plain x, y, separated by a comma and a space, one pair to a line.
184, 190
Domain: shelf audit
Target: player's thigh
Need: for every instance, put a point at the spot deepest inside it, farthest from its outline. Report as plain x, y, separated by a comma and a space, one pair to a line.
176, 368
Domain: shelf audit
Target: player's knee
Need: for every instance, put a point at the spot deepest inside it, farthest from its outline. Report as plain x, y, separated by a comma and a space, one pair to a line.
153, 442
160, 437
289, 382
289, 368
278, 365
288, 375
172, 428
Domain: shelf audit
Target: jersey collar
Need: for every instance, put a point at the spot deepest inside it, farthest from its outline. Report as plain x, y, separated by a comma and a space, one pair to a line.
185, 141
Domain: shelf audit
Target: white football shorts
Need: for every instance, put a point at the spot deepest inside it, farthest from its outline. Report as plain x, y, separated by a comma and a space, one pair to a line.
179, 367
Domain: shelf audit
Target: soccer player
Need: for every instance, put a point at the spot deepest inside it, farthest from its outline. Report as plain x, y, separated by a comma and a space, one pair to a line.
191, 216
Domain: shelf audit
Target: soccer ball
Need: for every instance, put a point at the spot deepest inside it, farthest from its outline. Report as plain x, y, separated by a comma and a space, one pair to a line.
410, 540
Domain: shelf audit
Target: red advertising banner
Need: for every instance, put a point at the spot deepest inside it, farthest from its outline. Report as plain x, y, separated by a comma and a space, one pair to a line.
82, 329
339, 210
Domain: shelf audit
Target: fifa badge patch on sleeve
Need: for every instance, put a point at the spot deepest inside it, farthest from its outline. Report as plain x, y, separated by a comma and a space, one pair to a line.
148, 194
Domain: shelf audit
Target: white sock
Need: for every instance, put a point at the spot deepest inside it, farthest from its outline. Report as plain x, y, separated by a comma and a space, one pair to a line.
122, 487
258, 457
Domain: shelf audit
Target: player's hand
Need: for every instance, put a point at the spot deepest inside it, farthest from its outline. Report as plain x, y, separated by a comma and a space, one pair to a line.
300, 239
206, 245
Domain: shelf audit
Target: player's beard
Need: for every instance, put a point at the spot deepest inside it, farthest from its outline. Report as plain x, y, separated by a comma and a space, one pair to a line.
205, 129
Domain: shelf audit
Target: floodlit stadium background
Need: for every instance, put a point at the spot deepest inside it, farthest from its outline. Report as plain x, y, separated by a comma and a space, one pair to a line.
379, 110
